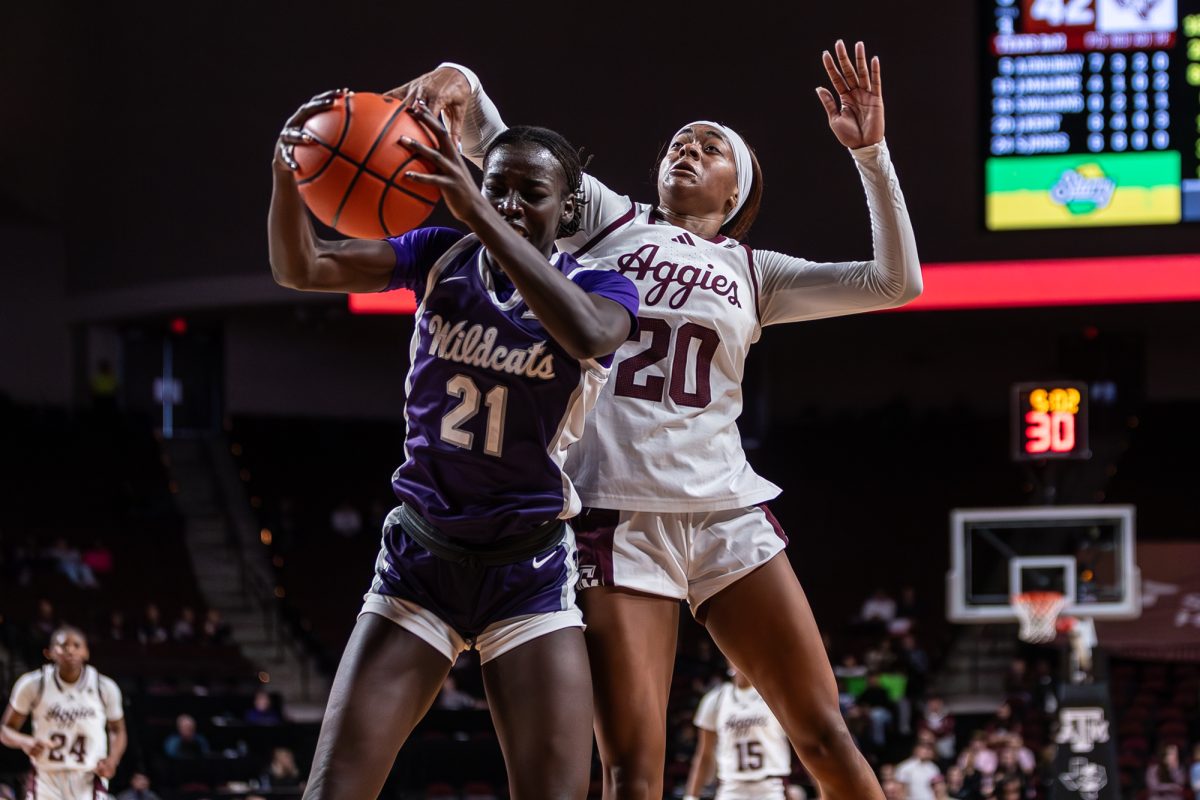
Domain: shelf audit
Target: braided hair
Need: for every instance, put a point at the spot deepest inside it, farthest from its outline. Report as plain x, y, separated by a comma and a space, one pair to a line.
563, 152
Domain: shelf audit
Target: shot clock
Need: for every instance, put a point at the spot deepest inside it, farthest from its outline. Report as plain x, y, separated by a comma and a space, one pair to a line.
1049, 421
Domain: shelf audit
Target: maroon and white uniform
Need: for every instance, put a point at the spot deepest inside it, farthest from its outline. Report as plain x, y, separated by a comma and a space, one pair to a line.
73, 718
753, 755
662, 447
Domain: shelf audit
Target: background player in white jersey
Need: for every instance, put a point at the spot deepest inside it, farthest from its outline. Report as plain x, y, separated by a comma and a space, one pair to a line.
78, 723
680, 509
739, 738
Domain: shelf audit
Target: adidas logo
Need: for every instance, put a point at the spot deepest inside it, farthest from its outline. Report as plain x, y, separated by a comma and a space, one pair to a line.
685, 238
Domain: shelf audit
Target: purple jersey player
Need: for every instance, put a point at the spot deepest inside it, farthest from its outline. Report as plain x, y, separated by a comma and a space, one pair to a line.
510, 349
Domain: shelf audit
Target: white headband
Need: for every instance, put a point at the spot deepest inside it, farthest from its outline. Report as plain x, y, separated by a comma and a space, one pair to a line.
741, 160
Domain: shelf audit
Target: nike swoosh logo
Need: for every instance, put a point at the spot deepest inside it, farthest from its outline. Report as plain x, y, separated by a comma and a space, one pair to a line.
537, 563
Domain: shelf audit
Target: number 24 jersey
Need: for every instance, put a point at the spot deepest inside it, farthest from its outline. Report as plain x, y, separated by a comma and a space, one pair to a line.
72, 717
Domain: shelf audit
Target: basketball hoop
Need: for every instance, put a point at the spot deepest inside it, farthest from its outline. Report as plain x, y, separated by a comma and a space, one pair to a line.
1038, 614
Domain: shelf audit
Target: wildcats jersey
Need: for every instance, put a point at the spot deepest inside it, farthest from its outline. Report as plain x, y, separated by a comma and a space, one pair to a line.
751, 744
664, 437
493, 402
72, 717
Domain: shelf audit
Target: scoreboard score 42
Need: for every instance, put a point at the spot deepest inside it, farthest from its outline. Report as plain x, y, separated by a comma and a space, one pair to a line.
1049, 421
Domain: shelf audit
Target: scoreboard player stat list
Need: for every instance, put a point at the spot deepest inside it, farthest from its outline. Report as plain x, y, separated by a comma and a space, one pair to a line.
1093, 113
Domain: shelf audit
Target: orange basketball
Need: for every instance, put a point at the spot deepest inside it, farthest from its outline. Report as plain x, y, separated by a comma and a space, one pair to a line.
351, 176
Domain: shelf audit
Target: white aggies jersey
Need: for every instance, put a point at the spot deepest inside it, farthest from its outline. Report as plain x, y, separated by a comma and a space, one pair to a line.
72, 717
751, 744
663, 436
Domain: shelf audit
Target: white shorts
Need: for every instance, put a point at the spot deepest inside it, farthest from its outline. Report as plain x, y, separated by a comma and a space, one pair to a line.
495, 640
766, 789
66, 784
685, 556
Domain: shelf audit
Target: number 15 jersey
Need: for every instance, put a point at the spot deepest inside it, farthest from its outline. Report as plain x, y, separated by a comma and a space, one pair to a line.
71, 717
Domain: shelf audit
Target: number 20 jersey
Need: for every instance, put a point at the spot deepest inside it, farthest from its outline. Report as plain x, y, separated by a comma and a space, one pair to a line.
663, 436
72, 718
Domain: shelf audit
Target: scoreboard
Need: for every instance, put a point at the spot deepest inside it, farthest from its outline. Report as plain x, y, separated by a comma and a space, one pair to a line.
1092, 113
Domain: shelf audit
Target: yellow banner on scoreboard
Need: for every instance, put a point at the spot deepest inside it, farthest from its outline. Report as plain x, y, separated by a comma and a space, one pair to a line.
1083, 190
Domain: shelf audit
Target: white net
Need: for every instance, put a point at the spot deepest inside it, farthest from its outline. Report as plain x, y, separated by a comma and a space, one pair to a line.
1038, 613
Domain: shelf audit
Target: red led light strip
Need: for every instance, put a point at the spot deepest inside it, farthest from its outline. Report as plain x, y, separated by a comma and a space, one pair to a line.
995, 284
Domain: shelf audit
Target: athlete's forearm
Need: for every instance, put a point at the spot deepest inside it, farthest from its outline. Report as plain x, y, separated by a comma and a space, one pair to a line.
118, 740
292, 243
892, 237
700, 774
14, 738
586, 326
482, 122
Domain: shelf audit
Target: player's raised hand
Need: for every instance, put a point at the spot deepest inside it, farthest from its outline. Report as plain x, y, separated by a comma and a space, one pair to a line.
450, 172
445, 91
856, 115
293, 132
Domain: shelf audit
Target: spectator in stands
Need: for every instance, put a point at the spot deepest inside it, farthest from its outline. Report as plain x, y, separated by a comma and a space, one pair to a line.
282, 772
1195, 770
452, 698
917, 773
881, 657
67, 560
262, 712
346, 520
1002, 725
186, 742
118, 630
938, 722
1025, 757
880, 708
184, 629
849, 667
1011, 789
151, 630
98, 558
139, 789
216, 631
1164, 776
879, 607
1008, 771
893, 790
907, 612
956, 786
978, 758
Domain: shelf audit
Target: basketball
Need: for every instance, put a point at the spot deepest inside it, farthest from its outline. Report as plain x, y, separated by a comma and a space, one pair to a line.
351, 175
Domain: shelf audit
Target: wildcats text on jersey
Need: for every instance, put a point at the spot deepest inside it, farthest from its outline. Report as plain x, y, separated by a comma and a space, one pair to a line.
477, 347
666, 274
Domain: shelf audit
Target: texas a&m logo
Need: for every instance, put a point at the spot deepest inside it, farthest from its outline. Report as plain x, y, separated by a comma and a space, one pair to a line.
1082, 728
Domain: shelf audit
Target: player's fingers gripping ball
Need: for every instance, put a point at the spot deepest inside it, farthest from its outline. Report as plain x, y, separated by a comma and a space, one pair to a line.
350, 168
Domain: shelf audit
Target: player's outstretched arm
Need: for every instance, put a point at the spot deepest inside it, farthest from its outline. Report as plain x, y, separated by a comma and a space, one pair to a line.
794, 289
299, 258
586, 325
704, 762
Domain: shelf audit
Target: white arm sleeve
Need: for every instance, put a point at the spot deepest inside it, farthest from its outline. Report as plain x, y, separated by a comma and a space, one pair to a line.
706, 712
482, 123
114, 708
793, 289
25, 692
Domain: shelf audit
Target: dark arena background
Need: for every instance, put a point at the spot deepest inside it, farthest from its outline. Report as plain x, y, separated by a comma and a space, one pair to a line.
196, 461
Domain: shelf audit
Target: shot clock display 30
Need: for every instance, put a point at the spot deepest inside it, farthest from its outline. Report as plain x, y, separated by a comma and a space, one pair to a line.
1093, 113
1050, 421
